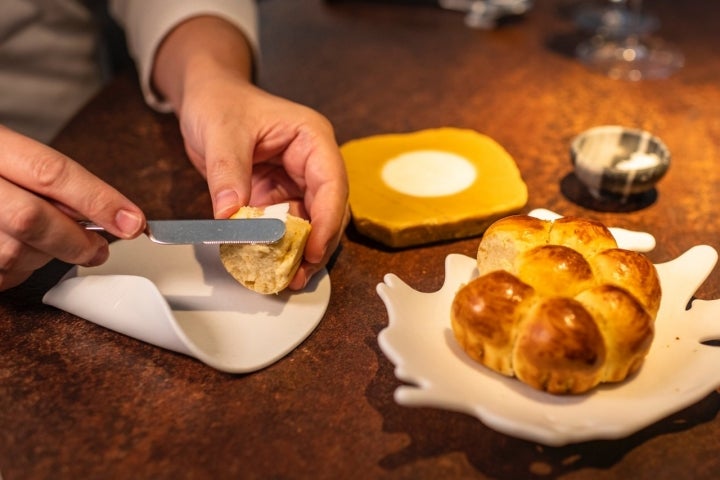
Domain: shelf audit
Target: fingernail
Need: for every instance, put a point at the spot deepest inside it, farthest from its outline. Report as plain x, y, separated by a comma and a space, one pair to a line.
320, 258
300, 281
100, 257
226, 203
128, 222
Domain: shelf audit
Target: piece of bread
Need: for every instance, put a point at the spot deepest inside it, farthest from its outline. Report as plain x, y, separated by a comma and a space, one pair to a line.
267, 268
557, 304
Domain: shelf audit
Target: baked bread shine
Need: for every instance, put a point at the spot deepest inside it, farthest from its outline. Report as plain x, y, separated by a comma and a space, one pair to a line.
557, 304
267, 268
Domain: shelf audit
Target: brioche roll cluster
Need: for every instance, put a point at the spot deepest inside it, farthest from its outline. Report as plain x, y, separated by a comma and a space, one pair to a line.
557, 304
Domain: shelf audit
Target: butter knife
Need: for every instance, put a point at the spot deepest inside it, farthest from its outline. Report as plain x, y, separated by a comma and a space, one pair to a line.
184, 232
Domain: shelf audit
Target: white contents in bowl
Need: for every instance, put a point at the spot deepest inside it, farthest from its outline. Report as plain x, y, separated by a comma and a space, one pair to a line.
638, 161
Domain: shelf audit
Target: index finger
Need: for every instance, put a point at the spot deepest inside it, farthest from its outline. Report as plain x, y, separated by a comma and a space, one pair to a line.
33, 229
47, 172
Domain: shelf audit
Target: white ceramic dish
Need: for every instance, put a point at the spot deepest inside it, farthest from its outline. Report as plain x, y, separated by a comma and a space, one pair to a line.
181, 298
678, 370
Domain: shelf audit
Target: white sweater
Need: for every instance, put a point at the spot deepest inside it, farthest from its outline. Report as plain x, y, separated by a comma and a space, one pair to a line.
50, 53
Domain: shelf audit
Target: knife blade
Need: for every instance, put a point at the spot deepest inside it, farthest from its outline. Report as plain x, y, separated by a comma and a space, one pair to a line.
185, 232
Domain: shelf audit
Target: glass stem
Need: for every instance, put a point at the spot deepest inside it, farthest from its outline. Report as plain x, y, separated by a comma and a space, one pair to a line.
634, 7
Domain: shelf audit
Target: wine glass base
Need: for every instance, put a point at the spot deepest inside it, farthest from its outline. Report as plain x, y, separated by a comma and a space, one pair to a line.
631, 59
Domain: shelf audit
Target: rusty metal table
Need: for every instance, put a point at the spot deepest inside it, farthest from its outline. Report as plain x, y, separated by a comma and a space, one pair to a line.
79, 401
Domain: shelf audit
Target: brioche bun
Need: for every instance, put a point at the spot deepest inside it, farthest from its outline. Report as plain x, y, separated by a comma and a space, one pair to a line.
557, 304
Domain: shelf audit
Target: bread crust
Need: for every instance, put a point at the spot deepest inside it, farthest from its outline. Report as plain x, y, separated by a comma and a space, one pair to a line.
557, 304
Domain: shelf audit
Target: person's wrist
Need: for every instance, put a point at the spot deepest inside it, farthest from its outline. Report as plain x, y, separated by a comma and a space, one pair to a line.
197, 50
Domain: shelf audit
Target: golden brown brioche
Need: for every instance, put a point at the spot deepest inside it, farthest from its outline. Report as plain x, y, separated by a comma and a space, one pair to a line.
484, 318
267, 268
557, 304
559, 348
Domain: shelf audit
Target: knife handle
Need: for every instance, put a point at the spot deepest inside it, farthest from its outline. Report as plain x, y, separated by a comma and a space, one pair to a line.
88, 225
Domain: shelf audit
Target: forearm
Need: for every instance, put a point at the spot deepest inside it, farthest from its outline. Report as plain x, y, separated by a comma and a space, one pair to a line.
195, 50
147, 24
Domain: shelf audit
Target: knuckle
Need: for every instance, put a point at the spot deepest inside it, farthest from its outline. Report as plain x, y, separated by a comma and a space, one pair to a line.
10, 254
48, 169
25, 222
96, 204
316, 118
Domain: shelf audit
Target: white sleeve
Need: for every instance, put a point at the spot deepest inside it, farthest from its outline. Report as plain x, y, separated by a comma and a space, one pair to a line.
147, 22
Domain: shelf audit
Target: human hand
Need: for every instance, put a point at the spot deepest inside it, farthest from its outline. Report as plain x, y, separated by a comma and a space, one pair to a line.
287, 150
254, 148
44, 193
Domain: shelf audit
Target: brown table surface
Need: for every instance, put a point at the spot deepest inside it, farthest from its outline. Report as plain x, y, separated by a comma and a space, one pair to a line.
79, 401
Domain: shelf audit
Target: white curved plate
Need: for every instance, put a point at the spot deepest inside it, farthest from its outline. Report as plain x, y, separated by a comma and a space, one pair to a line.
677, 372
181, 298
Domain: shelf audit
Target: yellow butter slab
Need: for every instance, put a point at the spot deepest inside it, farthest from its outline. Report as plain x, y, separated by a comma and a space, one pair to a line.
430, 185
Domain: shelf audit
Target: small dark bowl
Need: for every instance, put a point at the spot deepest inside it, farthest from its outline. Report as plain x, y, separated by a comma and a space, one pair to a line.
618, 161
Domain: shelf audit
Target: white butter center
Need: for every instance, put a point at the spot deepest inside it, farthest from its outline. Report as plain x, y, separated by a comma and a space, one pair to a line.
428, 173
279, 211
